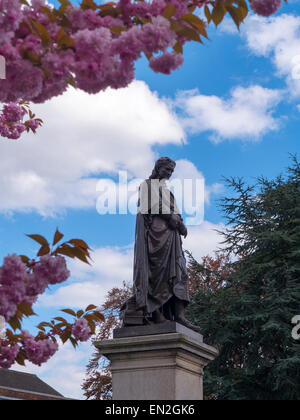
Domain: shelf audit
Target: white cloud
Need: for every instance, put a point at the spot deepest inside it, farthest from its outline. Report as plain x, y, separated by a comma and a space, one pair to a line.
279, 39
246, 114
204, 239
84, 135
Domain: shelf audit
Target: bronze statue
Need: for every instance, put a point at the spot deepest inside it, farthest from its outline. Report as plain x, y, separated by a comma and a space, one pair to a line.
160, 273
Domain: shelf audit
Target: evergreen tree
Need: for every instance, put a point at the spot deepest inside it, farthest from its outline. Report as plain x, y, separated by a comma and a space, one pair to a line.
248, 317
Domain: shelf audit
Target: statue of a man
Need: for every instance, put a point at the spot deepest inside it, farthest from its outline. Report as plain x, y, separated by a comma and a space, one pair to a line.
160, 274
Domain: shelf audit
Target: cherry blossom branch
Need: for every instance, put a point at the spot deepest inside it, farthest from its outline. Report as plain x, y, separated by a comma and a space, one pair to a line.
22, 281
12, 123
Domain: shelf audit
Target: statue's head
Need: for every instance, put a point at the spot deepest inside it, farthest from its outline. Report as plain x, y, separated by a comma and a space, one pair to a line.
163, 169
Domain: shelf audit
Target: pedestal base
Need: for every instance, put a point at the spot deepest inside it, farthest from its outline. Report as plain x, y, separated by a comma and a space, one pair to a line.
159, 366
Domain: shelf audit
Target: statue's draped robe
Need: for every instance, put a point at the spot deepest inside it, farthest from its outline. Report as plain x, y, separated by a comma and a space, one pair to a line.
159, 264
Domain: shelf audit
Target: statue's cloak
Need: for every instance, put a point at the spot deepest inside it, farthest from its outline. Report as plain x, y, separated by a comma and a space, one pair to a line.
159, 263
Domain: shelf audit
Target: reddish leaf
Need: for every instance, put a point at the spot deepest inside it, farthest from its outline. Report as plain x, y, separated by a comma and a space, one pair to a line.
39, 239
57, 237
69, 311
90, 308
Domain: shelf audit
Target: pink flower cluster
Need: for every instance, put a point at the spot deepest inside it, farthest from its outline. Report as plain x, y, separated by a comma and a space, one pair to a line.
96, 57
13, 113
166, 62
81, 330
38, 352
18, 284
93, 51
8, 354
10, 18
51, 270
11, 121
265, 7
13, 279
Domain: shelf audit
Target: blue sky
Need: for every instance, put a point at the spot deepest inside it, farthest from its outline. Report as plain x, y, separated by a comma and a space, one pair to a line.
232, 109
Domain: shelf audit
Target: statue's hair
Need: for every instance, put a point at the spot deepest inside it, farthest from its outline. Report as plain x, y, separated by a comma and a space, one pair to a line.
159, 163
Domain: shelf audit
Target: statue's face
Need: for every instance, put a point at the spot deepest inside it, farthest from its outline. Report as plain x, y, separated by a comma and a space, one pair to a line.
165, 171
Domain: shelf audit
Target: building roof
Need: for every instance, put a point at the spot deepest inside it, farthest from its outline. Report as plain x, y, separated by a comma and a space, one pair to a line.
25, 382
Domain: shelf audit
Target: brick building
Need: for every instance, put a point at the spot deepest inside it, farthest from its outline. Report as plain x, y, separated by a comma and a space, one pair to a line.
16, 385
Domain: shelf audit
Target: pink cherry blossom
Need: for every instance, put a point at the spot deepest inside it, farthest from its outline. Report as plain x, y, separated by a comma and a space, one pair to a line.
38, 352
166, 62
11, 121
8, 354
51, 270
81, 330
13, 113
265, 7
13, 277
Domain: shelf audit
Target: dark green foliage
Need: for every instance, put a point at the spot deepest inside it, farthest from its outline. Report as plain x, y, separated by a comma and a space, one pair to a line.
249, 318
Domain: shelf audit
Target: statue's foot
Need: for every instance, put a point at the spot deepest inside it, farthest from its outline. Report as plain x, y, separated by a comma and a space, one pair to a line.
158, 318
183, 321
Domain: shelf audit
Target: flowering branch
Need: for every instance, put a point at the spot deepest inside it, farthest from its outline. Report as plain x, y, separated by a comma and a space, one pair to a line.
22, 280
11, 120
92, 46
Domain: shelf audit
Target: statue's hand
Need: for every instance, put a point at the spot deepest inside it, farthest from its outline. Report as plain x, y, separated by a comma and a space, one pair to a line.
182, 230
174, 221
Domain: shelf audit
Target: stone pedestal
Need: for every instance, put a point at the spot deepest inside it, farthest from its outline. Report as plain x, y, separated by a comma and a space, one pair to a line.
157, 362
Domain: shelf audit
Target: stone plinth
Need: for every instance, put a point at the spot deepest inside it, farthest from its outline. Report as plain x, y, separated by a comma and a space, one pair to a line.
166, 364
